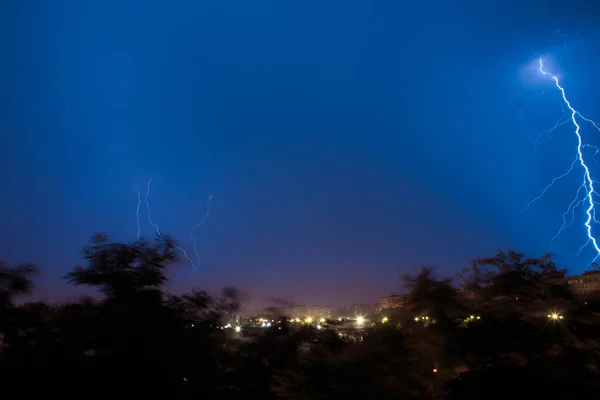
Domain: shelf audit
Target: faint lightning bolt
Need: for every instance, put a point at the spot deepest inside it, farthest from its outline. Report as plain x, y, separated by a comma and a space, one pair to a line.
156, 227
148, 208
559, 122
548, 187
587, 187
137, 213
570, 210
185, 254
564, 39
194, 268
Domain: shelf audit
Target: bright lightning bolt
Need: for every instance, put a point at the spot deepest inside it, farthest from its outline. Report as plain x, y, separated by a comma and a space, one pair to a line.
587, 189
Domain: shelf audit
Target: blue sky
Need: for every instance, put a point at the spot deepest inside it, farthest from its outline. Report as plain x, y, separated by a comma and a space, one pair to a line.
343, 142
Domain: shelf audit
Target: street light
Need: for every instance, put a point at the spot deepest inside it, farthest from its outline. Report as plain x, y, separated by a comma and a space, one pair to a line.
555, 316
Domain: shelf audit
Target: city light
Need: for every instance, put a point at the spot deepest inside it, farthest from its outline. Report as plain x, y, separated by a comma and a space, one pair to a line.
238, 329
360, 320
308, 320
555, 316
322, 320
384, 320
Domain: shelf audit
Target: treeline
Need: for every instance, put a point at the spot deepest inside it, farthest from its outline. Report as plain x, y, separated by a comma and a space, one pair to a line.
514, 329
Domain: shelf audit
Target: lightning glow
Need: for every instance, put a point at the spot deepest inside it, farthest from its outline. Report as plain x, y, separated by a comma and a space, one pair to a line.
587, 194
193, 264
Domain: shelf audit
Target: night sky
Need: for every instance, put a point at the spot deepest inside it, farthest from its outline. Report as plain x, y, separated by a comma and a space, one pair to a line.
343, 141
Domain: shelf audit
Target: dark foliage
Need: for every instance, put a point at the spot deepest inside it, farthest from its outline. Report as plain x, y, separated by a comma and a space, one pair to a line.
514, 330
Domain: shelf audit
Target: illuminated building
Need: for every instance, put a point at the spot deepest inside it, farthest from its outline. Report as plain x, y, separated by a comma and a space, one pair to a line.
394, 301
315, 312
583, 285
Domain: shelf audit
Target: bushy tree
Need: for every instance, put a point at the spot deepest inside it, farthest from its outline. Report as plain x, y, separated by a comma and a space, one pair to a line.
124, 271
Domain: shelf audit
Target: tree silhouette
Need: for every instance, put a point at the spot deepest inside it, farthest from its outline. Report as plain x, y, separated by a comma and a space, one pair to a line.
120, 270
431, 297
15, 281
509, 274
441, 345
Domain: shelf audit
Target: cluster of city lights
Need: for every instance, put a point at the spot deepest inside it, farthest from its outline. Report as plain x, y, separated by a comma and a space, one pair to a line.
555, 316
322, 322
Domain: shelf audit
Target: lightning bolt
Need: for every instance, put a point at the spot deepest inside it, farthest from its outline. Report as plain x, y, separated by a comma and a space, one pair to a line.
564, 39
548, 132
137, 212
586, 194
158, 232
148, 208
194, 268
